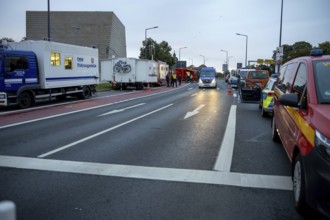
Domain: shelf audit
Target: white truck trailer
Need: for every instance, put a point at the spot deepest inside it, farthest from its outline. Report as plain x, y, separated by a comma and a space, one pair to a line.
31, 71
129, 72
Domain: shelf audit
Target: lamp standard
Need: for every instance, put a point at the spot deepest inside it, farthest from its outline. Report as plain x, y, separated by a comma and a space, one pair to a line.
180, 51
246, 47
203, 58
48, 15
226, 55
145, 41
280, 43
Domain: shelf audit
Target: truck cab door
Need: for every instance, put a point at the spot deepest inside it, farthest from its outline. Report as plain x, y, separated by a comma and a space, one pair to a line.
19, 71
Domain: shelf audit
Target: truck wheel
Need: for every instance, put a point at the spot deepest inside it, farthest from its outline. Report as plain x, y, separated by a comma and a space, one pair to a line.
24, 100
86, 93
275, 136
299, 185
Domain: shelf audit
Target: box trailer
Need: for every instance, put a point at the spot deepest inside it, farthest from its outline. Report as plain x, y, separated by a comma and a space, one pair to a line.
129, 72
31, 71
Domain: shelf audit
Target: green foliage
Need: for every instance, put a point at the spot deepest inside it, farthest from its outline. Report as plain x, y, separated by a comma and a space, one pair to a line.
325, 46
7, 39
103, 87
300, 49
158, 51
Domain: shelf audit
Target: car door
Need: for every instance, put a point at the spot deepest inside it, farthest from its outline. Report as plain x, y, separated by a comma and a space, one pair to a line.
293, 117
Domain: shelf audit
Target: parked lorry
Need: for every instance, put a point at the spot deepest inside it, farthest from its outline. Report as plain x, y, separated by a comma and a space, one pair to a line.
131, 72
31, 71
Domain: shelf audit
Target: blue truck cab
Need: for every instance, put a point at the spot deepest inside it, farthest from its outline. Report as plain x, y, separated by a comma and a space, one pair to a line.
18, 71
207, 78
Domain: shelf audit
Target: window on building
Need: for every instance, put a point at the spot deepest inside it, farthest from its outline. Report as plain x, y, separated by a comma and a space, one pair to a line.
55, 59
68, 63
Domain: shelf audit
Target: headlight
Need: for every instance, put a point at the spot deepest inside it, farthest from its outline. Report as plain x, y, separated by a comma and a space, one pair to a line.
213, 81
323, 144
200, 81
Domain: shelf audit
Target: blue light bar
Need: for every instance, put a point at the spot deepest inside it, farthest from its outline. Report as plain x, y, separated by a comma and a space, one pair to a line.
317, 52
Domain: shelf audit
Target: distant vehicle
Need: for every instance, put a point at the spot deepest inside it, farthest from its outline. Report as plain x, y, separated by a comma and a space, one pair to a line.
267, 98
207, 78
301, 121
32, 71
255, 81
233, 80
242, 73
125, 72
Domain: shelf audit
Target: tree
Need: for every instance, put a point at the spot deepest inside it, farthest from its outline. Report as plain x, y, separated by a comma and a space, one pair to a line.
325, 46
7, 39
162, 51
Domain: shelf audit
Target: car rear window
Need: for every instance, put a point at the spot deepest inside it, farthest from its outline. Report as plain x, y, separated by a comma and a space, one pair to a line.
322, 80
258, 75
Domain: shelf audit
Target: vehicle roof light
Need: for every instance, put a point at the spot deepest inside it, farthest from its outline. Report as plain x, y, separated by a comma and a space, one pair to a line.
317, 52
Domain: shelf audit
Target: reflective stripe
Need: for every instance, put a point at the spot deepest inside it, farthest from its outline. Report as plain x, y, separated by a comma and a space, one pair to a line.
302, 125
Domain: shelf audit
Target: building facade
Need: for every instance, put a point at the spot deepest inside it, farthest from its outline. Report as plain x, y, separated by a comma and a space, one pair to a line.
100, 29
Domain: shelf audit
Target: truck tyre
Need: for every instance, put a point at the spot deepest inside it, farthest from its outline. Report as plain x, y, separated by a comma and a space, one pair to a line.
86, 93
25, 100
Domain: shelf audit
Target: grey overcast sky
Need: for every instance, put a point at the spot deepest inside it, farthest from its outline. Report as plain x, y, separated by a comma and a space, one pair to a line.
205, 27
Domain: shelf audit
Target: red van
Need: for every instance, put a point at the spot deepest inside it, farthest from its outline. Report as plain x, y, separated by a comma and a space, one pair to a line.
302, 122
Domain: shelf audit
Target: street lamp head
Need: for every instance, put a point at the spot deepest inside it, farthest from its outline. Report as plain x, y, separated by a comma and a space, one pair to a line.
155, 27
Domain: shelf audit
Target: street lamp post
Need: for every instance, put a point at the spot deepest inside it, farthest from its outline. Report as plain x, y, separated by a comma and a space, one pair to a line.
246, 46
226, 55
48, 13
180, 52
280, 42
145, 41
203, 58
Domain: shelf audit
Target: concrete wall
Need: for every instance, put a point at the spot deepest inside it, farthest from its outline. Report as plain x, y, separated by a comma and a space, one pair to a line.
101, 29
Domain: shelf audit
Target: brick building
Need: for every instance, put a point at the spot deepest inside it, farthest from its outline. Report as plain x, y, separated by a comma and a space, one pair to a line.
101, 29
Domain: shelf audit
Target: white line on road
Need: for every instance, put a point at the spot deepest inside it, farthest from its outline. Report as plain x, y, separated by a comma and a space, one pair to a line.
225, 155
194, 112
100, 133
150, 173
121, 110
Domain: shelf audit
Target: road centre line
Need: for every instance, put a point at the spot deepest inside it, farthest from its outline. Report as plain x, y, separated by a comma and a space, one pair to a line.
81, 110
225, 155
121, 110
150, 173
100, 133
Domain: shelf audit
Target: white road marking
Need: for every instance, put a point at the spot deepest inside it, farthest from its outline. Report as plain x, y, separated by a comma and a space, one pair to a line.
100, 133
121, 110
150, 173
194, 94
86, 109
225, 155
194, 112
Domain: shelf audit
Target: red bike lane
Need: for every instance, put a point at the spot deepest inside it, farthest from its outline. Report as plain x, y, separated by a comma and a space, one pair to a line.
15, 117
